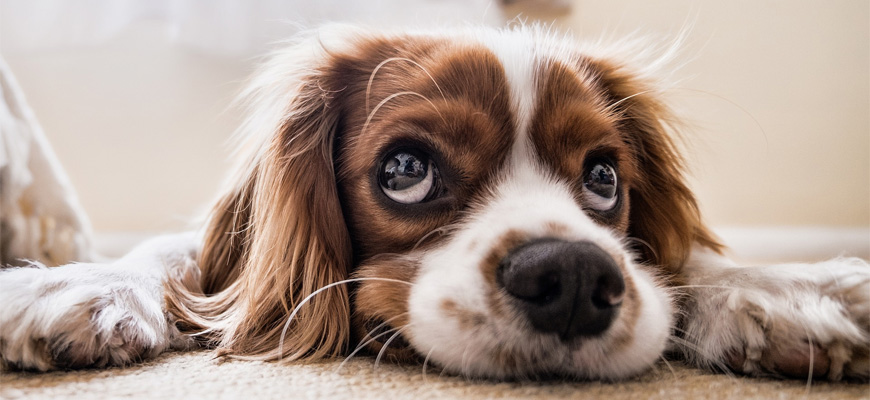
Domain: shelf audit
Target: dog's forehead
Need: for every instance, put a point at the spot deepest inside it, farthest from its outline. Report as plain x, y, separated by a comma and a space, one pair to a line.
561, 112
521, 62
532, 89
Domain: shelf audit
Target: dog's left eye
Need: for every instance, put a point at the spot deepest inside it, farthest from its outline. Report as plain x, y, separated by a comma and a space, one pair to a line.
408, 177
599, 186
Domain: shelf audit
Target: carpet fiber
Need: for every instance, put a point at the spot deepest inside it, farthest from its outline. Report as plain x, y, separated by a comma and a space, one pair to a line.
197, 375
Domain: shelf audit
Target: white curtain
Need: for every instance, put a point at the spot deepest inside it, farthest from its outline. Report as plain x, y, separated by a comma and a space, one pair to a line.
226, 27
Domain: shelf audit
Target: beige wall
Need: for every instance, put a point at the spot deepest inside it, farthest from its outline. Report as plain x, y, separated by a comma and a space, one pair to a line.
139, 125
779, 99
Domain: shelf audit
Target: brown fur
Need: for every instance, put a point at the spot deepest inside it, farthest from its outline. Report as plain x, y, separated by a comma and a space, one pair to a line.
272, 242
664, 213
385, 301
464, 115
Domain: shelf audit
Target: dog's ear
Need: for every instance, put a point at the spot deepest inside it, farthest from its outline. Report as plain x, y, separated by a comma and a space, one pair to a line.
278, 235
663, 214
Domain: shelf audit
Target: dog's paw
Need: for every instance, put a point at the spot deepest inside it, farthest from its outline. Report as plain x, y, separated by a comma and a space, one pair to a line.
791, 320
80, 315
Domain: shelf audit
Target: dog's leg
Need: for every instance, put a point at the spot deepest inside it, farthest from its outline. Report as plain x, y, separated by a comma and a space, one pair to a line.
94, 315
790, 319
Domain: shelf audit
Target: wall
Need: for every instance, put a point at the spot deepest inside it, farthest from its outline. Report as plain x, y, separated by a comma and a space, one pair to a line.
777, 95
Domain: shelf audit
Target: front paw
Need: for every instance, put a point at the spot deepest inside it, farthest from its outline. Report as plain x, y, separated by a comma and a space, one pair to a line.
792, 320
82, 315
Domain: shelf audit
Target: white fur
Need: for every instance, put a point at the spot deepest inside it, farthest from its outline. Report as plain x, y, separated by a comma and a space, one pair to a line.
526, 200
794, 307
93, 314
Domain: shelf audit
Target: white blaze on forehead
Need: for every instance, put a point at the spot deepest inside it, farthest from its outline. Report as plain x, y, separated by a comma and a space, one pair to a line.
518, 53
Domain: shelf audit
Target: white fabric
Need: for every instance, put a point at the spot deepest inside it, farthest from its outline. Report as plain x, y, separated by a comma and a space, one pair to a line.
228, 27
40, 216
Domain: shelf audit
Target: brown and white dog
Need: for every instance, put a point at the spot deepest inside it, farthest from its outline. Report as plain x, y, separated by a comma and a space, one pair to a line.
501, 203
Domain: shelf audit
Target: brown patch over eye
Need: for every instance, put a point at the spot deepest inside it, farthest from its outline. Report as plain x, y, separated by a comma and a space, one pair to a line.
574, 133
450, 107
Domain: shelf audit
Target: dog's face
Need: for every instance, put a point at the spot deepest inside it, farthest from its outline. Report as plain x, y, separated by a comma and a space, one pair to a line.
489, 180
508, 202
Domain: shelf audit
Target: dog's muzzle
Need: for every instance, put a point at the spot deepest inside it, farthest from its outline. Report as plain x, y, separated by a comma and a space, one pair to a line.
568, 288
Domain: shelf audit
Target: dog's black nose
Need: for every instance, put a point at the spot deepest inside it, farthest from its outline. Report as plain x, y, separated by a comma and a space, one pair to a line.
568, 288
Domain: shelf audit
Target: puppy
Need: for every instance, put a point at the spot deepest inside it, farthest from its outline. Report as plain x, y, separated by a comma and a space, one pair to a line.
500, 203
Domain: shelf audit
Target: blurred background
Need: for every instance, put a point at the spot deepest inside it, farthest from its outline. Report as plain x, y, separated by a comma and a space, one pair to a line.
134, 96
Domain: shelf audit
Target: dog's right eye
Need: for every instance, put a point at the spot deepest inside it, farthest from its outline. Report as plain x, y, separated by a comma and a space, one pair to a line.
599, 186
409, 177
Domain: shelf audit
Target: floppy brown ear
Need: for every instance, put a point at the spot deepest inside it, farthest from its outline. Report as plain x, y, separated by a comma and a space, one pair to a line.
278, 235
663, 211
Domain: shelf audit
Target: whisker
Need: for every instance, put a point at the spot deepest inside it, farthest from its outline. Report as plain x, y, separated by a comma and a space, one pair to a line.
665, 360
202, 332
393, 96
463, 362
810, 372
441, 230
441, 374
316, 292
368, 334
701, 287
366, 343
733, 103
391, 59
812, 359
462, 371
427, 236
645, 243
363, 345
686, 335
372, 338
425, 363
609, 109
387, 344
695, 348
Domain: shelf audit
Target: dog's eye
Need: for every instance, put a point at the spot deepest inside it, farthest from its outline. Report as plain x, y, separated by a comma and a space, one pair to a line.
599, 186
408, 177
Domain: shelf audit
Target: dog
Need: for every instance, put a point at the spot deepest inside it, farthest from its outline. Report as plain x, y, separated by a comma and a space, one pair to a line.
501, 203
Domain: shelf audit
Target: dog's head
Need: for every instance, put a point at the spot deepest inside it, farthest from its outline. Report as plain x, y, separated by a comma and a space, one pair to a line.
508, 204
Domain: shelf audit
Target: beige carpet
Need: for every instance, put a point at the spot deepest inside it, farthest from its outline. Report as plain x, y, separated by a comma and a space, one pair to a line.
196, 375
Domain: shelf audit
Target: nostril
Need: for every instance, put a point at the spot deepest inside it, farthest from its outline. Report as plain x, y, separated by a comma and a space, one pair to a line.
608, 294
